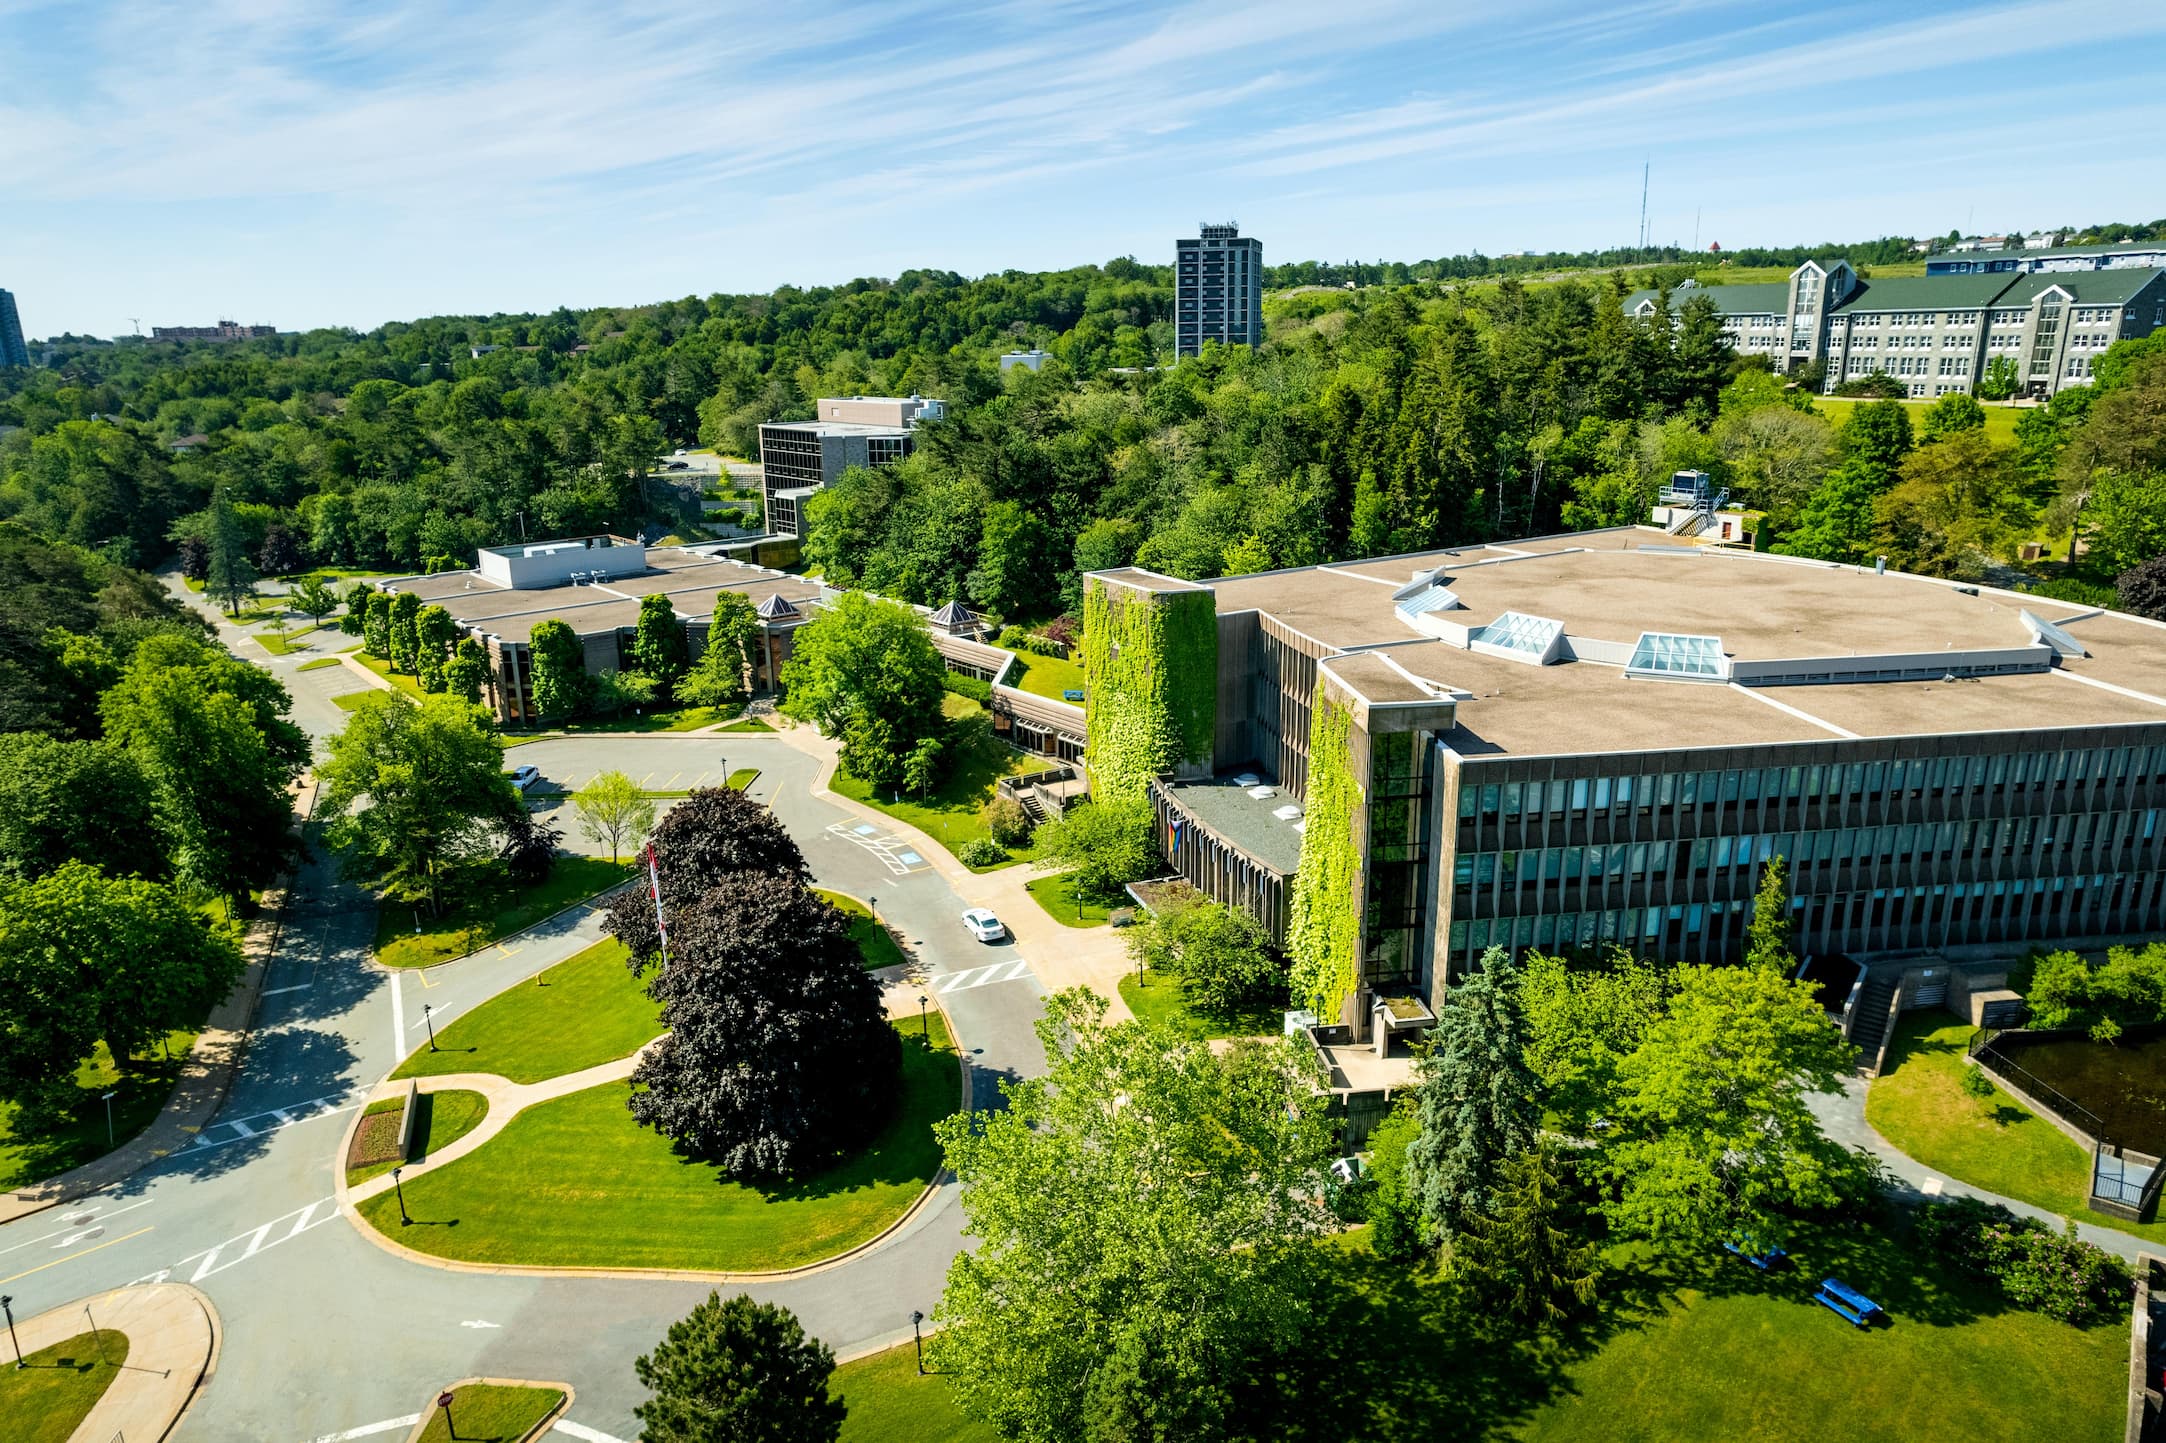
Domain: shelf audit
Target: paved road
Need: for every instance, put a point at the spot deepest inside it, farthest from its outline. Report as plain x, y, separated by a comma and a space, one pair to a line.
325, 1332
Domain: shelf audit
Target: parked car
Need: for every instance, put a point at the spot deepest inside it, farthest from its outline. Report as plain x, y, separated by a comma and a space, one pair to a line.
525, 776
983, 925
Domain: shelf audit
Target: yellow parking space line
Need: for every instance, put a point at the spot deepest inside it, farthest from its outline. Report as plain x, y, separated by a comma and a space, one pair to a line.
86, 1252
672, 780
646, 779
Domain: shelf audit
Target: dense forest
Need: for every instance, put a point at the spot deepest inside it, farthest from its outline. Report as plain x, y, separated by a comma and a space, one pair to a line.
1385, 418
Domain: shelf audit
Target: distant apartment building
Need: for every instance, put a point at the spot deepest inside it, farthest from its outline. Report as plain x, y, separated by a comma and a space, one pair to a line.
797, 458
1218, 289
12, 350
2047, 256
1937, 335
223, 331
1029, 360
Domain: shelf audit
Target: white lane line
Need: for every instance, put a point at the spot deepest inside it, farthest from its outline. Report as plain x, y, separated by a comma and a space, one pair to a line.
368, 1430
583, 1433
398, 1020
95, 1217
296, 987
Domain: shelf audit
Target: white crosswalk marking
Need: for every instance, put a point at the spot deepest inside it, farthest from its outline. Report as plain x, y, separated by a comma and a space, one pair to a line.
583, 1433
1014, 971
237, 1250
894, 853
240, 1129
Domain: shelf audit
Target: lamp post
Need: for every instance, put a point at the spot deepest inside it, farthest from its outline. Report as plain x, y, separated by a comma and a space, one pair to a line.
922, 1032
918, 1338
426, 1008
109, 1119
7, 1305
443, 1401
400, 1189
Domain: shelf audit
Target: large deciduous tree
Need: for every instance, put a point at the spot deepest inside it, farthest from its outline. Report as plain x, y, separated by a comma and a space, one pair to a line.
467, 671
405, 606
658, 647
1839, 517
86, 801
613, 811
559, 662
415, 790
718, 678
865, 670
1477, 1100
1582, 1022
1146, 1217
780, 1057
433, 631
736, 1371
710, 834
1220, 955
1103, 845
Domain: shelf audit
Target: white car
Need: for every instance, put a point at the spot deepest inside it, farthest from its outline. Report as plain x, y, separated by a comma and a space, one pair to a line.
525, 777
983, 925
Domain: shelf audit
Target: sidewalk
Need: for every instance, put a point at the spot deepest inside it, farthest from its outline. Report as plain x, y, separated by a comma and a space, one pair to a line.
1060, 956
173, 1339
204, 1079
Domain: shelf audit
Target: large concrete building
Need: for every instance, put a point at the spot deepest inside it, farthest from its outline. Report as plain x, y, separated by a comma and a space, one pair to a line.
12, 350
223, 331
1218, 289
1937, 335
797, 458
595, 585
1599, 739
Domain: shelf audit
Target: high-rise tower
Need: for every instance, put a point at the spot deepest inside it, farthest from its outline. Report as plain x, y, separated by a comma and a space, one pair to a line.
1218, 288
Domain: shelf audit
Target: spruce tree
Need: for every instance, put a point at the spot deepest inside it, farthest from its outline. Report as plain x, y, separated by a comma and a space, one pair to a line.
1478, 1101
1526, 1252
228, 576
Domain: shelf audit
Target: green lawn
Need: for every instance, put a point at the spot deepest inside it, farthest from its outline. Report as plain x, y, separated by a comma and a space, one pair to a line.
746, 724
587, 1010
671, 719
890, 1403
1056, 894
2000, 423
486, 911
1157, 998
441, 1119
351, 700
1999, 1145
60, 1385
949, 814
319, 663
575, 1182
874, 942
383, 669
30, 1153
489, 1413
742, 778
294, 640
1046, 676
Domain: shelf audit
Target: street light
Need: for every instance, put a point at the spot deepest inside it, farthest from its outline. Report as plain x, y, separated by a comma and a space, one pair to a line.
918, 1338
7, 1305
426, 1008
922, 1032
400, 1188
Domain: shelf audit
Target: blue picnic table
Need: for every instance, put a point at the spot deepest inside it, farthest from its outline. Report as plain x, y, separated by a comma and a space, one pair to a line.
1848, 1303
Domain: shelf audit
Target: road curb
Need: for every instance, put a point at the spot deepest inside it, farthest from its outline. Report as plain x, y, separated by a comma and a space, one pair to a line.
539, 922
566, 1393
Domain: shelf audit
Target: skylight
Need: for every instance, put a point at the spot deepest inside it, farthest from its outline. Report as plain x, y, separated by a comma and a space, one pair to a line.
1422, 582
1668, 654
1429, 598
2047, 633
1531, 638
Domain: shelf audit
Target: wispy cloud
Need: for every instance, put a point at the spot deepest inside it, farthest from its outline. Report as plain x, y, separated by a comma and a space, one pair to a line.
517, 152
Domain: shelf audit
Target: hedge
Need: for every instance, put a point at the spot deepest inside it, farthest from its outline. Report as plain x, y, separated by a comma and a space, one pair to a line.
1323, 934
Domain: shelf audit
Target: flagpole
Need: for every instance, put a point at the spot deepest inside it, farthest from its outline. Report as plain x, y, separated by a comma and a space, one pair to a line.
654, 890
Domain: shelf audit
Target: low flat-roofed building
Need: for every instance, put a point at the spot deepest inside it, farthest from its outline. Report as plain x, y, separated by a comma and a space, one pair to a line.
1599, 739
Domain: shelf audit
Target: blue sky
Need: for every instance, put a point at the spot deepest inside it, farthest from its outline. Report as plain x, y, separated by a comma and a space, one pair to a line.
332, 163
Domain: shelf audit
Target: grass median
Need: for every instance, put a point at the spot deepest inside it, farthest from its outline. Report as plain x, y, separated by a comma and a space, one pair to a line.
584, 1011
484, 911
874, 942
45, 1400
891, 1402
1056, 895
440, 1119
489, 1413
575, 1182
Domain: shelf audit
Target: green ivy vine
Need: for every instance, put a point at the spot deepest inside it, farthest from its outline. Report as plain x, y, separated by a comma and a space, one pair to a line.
1323, 934
1150, 676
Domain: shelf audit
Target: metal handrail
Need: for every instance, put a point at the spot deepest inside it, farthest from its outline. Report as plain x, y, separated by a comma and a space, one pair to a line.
2038, 1087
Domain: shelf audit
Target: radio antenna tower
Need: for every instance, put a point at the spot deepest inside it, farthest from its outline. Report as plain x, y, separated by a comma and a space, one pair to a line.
1644, 167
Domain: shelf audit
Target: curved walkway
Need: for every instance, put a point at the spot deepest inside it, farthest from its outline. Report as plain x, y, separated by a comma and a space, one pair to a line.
1843, 1118
173, 1336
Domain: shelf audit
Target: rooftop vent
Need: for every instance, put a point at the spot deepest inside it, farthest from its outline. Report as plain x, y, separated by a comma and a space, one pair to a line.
2047, 634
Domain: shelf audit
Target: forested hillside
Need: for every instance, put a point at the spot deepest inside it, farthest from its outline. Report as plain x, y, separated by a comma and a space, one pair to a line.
1388, 418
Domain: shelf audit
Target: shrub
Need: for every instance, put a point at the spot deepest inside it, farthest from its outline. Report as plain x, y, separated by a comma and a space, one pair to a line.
2142, 589
1106, 842
1016, 639
1066, 630
2057, 1274
977, 690
982, 852
2076, 592
1976, 1083
1005, 818
1221, 955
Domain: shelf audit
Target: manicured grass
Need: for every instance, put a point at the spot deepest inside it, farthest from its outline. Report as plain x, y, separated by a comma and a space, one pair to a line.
1157, 998
319, 663
441, 1119
741, 778
489, 1413
949, 813
575, 1182
746, 724
43, 1402
351, 700
31, 1151
1720, 1352
874, 941
890, 1403
486, 911
1919, 1105
1056, 894
1046, 676
587, 1010
294, 640
674, 719
383, 669
2000, 421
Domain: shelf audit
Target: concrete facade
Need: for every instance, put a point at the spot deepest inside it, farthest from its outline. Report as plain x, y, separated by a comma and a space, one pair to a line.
1218, 289
797, 458
12, 350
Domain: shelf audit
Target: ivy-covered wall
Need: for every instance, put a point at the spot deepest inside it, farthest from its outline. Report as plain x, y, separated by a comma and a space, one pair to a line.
1150, 678
1323, 934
